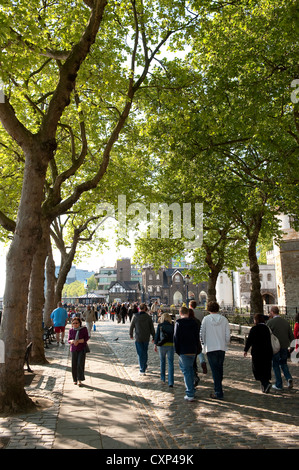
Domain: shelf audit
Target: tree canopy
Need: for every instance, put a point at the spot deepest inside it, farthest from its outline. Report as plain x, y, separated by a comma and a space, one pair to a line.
98, 103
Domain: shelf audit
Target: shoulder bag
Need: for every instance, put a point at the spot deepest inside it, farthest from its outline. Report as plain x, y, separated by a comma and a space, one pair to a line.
274, 342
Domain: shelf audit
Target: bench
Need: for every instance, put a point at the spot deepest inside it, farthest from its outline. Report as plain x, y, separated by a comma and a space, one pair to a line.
239, 332
27, 356
245, 331
48, 336
235, 332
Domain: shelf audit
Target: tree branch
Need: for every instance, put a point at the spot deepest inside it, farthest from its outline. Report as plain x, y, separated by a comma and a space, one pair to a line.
7, 224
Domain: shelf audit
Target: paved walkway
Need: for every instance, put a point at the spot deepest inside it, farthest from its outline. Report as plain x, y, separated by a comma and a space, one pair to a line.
117, 409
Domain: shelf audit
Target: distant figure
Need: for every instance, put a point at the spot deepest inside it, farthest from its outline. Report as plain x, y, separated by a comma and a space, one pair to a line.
89, 317
143, 325
154, 310
283, 331
201, 356
59, 319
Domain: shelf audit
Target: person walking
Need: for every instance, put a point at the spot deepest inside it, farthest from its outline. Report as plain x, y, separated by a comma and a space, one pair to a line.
201, 356
112, 312
143, 325
154, 311
78, 337
283, 331
259, 340
296, 331
215, 337
89, 317
186, 344
123, 312
164, 341
59, 319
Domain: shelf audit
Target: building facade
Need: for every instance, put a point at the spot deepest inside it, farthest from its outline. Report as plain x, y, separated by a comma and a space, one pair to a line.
120, 283
124, 291
171, 287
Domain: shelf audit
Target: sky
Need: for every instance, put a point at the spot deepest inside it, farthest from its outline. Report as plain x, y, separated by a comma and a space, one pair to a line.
91, 263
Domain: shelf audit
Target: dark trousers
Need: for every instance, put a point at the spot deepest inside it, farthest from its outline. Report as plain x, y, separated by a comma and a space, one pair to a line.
78, 365
216, 360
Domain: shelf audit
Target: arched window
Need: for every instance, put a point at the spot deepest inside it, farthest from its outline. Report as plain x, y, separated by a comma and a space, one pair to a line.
177, 298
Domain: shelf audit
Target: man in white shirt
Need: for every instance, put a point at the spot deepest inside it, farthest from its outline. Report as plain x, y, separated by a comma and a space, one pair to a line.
215, 338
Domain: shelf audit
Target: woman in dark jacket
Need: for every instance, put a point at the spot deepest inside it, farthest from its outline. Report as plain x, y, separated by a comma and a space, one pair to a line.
259, 339
164, 340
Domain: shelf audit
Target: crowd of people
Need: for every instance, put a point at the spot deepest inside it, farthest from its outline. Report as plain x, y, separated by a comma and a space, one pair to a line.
205, 340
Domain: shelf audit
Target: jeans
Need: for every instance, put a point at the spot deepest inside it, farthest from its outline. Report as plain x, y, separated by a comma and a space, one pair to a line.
216, 360
279, 361
142, 352
169, 352
186, 366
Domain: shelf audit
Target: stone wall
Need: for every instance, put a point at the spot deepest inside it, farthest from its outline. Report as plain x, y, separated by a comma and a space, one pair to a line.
287, 272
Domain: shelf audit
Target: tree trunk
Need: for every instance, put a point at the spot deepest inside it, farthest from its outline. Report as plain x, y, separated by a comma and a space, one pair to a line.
50, 288
18, 268
214, 271
65, 265
256, 299
36, 299
213, 275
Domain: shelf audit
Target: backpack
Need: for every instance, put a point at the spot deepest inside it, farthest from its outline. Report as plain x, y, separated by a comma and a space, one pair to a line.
164, 337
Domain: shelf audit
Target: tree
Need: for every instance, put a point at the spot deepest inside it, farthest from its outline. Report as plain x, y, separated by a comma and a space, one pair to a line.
38, 147
55, 65
91, 283
232, 131
73, 290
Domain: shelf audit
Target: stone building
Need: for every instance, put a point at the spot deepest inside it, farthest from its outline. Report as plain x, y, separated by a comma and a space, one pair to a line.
120, 283
267, 280
124, 291
286, 256
171, 287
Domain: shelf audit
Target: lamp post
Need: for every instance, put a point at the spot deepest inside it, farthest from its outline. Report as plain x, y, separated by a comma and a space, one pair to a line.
187, 279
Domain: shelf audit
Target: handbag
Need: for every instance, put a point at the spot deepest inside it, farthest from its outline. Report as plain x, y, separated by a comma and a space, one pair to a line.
274, 343
87, 350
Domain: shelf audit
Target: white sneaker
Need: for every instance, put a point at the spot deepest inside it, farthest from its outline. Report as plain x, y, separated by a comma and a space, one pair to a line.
276, 388
188, 398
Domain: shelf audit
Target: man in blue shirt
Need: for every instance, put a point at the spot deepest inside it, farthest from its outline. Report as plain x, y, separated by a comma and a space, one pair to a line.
59, 320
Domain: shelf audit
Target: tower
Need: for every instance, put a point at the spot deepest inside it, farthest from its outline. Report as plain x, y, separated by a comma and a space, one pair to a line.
287, 265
